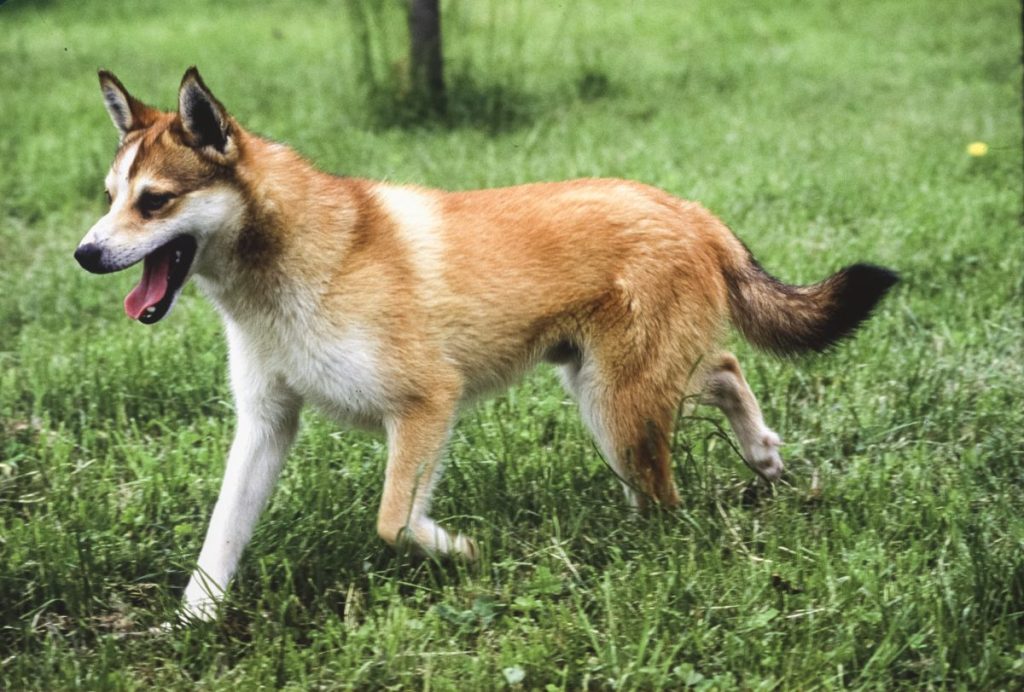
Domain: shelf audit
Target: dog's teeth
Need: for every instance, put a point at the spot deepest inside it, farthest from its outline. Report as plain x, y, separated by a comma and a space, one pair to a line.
177, 256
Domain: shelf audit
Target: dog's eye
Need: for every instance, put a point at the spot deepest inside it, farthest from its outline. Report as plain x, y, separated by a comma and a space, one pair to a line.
150, 202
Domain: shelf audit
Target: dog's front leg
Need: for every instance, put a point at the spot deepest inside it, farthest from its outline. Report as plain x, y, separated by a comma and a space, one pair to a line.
416, 442
268, 416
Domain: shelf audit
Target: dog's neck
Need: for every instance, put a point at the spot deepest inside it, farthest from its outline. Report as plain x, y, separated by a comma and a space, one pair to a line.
283, 197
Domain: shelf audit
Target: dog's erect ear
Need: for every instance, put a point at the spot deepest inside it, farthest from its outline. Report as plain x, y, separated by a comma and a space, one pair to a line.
202, 116
127, 112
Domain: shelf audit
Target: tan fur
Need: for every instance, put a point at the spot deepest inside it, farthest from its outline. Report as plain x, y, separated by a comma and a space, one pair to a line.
625, 271
629, 273
430, 299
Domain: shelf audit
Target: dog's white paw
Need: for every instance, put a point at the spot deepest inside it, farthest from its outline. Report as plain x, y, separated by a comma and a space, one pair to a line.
427, 537
204, 610
465, 547
440, 543
430, 539
189, 614
161, 629
762, 455
201, 601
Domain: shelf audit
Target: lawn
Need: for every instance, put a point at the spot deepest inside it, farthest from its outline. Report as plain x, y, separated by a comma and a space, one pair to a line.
822, 133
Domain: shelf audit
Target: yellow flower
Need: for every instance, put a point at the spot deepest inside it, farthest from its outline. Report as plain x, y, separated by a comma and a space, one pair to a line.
977, 149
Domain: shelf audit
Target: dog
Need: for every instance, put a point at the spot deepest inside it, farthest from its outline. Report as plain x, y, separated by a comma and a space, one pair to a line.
391, 307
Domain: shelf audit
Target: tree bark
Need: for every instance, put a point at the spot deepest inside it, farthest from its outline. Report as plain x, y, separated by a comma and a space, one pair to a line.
426, 64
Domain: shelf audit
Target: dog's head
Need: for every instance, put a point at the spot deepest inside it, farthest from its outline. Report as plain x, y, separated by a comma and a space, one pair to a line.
171, 187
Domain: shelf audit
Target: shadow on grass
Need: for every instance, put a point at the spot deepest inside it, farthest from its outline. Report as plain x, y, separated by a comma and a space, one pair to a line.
475, 103
469, 103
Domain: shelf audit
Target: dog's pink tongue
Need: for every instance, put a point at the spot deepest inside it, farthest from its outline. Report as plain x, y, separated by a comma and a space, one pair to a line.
156, 270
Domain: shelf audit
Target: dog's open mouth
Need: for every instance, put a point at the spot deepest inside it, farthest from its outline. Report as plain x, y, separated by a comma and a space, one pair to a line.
163, 273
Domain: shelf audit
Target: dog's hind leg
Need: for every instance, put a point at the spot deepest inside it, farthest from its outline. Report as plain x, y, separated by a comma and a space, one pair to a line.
726, 388
416, 441
631, 421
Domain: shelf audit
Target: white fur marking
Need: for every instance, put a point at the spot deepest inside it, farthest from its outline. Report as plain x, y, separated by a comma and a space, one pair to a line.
583, 384
118, 180
342, 375
117, 185
338, 372
416, 216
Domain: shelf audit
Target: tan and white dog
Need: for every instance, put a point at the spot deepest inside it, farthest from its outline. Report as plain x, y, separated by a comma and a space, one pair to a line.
390, 307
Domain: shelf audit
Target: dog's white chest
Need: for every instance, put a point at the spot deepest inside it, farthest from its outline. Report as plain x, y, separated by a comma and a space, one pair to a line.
343, 379
338, 373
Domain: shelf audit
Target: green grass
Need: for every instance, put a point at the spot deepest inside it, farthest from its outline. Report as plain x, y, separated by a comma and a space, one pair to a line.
824, 133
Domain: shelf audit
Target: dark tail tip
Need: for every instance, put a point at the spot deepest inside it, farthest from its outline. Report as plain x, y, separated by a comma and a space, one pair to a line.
857, 289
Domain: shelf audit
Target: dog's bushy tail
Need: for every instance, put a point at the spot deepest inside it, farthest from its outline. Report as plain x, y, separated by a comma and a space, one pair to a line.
788, 319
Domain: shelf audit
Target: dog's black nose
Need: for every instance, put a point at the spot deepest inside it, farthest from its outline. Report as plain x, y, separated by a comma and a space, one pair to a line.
90, 256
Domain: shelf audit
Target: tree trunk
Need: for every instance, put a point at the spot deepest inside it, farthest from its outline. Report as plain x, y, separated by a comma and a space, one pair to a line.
426, 66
